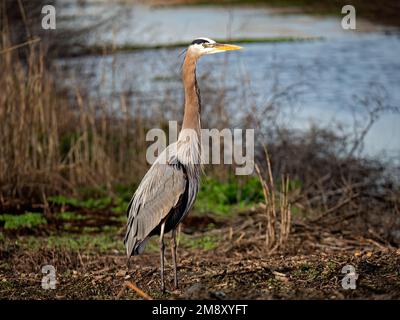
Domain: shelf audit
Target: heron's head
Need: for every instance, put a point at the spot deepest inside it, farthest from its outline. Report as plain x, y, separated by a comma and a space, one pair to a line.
203, 46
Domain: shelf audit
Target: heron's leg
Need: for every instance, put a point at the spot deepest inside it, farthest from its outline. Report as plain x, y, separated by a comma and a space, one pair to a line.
173, 250
162, 247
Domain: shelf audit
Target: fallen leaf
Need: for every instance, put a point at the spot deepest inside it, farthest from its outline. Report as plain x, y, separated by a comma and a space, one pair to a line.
280, 276
121, 273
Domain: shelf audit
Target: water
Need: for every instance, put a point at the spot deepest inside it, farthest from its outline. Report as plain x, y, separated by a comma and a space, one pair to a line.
141, 24
316, 82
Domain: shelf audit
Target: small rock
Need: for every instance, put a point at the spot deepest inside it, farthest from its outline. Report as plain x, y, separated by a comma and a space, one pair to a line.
218, 295
196, 291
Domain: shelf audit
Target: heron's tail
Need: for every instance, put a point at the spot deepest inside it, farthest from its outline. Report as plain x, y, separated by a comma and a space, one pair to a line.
133, 245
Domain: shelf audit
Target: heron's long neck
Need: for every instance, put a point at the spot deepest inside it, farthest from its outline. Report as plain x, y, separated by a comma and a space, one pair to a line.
191, 118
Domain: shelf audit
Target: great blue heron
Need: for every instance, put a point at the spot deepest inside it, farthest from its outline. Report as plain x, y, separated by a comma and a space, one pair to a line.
169, 189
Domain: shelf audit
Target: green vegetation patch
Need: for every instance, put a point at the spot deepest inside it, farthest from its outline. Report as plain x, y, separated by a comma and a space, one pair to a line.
83, 243
205, 242
120, 206
91, 203
226, 198
94, 199
70, 216
26, 220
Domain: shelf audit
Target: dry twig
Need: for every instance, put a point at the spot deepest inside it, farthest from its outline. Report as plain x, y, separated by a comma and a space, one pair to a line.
130, 285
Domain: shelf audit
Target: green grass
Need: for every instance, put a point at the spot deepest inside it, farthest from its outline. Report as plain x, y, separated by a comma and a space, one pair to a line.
227, 198
104, 243
95, 198
215, 197
120, 206
70, 216
84, 243
26, 220
121, 218
90, 229
207, 242
204, 242
91, 203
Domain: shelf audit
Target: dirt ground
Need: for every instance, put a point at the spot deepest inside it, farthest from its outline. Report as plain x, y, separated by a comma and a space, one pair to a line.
234, 266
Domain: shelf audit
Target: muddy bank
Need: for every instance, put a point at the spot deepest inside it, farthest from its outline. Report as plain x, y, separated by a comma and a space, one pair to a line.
235, 267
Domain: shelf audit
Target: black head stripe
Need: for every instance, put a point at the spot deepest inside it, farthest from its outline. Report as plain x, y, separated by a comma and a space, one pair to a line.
200, 41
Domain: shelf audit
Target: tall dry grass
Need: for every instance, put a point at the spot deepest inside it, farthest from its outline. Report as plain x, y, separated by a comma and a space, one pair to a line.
28, 132
277, 207
50, 144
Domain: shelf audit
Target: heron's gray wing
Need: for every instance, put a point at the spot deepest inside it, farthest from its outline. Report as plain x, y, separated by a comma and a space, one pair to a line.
159, 192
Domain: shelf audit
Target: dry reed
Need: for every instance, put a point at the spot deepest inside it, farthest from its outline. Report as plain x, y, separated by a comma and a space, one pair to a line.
277, 231
50, 144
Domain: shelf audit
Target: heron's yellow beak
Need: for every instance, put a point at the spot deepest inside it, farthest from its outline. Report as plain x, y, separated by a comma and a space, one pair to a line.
220, 47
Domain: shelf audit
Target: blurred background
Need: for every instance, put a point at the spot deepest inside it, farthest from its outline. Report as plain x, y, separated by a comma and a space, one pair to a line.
76, 103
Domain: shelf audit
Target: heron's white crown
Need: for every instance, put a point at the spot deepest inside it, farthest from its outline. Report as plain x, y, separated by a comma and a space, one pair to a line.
205, 39
203, 45
200, 45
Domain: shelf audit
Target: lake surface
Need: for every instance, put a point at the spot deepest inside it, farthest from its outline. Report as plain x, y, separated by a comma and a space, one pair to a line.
312, 82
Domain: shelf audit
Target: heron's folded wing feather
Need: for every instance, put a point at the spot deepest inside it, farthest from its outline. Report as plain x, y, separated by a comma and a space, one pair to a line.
159, 192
